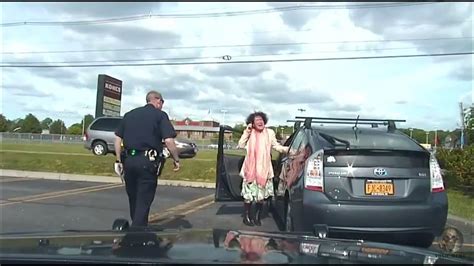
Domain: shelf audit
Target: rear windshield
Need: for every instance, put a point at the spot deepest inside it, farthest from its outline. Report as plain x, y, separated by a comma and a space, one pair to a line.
366, 139
105, 124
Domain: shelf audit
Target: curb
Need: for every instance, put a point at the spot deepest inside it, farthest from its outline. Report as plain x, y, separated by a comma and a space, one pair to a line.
464, 225
95, 178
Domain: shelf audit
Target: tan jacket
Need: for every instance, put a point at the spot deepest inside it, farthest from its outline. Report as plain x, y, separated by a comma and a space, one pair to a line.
275, 145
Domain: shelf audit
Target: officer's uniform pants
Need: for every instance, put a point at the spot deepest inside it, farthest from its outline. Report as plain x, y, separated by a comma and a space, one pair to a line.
140, 184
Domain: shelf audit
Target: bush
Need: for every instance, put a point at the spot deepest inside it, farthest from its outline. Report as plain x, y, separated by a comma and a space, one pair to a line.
459, 165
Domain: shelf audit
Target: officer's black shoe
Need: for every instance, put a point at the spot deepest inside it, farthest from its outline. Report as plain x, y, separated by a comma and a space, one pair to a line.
247, 220
258, 214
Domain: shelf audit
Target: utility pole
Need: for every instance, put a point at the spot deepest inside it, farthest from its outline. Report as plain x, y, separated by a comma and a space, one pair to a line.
223, 116
436, 138
84, 122
462, 125
427, 134
411, 133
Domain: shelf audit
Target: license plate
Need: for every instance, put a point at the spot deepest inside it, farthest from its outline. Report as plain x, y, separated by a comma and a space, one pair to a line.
379, 187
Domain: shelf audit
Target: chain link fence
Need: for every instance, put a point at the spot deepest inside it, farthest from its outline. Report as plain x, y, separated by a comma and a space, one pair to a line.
40, 138
11, 137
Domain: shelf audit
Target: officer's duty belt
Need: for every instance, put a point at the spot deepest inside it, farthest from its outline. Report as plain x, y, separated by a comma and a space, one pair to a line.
133, 152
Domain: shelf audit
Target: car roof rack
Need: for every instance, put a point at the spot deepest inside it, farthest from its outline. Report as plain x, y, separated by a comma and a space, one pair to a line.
308, 120
297, 123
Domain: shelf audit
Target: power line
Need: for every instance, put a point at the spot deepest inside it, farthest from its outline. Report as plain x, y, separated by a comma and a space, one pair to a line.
231, 46
208, 15
241, 61
208, 57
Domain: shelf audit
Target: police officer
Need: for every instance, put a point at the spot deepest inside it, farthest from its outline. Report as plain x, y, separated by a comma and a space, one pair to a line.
142, 130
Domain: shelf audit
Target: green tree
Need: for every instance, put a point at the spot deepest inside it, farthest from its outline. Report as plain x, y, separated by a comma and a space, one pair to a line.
46, 123
16, 125
75, 129
237, 132
88, 119
3, 123
31, 124
57, 127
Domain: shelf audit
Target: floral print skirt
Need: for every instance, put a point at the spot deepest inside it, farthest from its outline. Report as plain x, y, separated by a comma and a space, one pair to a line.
252, 192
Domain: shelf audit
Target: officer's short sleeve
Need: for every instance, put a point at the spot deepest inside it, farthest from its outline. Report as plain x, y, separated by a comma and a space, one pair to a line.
120, 129
167, 129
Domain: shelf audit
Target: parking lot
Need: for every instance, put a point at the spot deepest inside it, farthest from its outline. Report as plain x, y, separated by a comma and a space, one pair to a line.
37, 205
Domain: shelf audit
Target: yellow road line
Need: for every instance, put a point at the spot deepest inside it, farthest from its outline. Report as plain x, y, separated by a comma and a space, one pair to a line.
57, 192
181, 207
198, 208
14, 179
185, 213
68, 193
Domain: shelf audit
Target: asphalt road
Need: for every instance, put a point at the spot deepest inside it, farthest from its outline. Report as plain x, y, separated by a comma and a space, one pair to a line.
50, 205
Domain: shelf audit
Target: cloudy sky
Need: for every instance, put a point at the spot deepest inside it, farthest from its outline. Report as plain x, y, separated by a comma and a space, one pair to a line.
425, 91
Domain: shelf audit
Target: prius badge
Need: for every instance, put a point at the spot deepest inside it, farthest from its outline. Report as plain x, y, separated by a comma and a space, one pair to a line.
380, 172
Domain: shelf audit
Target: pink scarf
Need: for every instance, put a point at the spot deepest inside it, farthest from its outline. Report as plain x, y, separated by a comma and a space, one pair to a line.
258, 161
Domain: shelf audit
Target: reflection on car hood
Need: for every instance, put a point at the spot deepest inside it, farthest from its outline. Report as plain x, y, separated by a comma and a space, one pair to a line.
204, 246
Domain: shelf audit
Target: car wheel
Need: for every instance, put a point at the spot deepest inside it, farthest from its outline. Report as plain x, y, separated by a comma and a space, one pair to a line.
288, 219
99, 148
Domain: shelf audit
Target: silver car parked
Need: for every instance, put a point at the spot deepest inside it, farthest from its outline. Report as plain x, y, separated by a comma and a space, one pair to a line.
100, 135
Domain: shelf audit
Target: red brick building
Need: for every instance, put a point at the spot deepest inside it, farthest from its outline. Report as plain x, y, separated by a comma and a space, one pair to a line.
198, 130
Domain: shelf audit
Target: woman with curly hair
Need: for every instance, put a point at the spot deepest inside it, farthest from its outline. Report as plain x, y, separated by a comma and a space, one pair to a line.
257, 170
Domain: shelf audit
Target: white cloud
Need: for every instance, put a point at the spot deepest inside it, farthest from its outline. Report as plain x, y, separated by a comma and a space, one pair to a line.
412, 89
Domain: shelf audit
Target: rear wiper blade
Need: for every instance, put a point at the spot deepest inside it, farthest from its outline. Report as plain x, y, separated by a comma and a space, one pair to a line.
331, 139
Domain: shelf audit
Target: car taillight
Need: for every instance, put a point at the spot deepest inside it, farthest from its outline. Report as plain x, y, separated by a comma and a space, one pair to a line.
435, 175
314, 172
85, 136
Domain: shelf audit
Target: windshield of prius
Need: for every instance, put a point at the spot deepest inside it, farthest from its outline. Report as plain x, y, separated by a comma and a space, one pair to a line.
71, 72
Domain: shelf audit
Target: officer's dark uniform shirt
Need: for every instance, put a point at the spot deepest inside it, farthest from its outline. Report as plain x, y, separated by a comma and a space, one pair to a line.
144, 128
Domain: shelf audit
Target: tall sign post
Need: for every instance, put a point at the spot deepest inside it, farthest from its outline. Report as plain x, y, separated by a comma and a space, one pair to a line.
109, 96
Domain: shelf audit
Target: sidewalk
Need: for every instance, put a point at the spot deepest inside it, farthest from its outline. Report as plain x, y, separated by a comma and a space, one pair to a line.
95, 178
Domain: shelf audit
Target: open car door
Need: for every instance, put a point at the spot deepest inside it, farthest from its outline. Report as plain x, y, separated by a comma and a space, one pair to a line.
229, 163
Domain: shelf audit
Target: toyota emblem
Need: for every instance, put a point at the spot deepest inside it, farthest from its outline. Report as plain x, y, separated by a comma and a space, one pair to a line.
380, 172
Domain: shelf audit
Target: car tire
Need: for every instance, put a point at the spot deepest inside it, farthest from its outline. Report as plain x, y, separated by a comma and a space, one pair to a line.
288, 219
99, 148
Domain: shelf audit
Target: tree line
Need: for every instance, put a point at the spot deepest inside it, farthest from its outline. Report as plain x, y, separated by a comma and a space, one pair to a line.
31, 124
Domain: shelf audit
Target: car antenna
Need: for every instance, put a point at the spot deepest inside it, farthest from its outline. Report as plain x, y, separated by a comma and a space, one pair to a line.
355, 126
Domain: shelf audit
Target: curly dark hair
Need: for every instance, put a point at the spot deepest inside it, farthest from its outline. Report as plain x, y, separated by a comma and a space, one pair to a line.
252, 116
